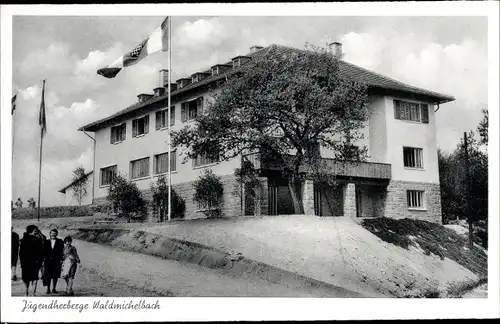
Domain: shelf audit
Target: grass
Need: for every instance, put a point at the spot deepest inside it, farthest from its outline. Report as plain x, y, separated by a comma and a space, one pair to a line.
432, 238
459, 289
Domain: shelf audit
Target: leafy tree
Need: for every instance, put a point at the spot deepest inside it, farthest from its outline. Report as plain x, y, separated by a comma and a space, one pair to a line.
126, 198
456, 200
80, 184
208, 193
284, 105
483, 128
160, 199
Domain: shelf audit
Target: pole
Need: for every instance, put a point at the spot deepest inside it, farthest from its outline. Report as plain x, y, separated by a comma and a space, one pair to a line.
40, 174
467, 180
93, 165
169, 121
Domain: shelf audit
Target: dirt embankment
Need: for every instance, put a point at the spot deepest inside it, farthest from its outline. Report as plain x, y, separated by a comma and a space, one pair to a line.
195, 253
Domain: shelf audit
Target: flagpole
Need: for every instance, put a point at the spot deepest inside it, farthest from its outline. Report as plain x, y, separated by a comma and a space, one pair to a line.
40, 162
13, 129
169, 117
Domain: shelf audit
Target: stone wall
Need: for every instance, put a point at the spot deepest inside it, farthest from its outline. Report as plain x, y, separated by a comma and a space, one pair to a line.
396, 205
231, 202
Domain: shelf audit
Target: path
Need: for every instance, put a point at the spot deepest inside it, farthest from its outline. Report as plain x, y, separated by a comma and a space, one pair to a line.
109, 272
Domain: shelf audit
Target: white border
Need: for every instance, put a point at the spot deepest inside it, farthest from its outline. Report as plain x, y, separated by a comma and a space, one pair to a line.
181, 309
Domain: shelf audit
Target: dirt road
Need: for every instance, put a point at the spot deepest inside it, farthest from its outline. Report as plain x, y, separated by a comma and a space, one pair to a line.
109, 272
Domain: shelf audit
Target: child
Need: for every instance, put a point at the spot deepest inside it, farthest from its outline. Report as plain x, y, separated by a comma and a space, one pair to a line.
71, 259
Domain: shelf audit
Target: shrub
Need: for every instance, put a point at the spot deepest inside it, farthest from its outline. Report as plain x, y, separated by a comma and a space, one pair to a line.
208, 193
126, 199
52, 212
160, 199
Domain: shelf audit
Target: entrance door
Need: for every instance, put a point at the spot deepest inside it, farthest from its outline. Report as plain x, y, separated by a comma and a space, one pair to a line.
358, 202
249, 201
280, 197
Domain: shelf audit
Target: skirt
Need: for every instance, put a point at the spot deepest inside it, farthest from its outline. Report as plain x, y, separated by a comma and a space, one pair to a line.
29, 272
68, 269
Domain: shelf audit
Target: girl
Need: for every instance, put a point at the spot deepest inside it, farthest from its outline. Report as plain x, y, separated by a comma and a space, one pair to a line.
31, 257
71, 259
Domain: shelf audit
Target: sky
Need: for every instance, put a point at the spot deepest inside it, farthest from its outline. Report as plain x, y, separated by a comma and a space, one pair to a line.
444, 54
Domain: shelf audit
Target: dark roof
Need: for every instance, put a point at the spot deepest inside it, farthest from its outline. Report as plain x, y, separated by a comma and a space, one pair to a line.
86, 175
371, 79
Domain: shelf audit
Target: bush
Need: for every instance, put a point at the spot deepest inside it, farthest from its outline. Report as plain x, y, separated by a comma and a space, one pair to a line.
208, 193
160, 200
126, 199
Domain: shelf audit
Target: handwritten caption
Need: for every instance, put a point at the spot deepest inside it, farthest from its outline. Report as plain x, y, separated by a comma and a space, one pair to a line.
97, 305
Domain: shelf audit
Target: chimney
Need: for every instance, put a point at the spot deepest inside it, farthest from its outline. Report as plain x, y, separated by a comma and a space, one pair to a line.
336, 49
255, 48
164, 77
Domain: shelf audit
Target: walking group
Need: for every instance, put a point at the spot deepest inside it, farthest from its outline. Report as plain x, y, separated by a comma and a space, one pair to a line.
46, 259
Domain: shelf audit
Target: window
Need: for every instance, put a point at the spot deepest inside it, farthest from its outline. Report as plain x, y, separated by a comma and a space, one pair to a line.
160, 162
203, 160
162, 118
194, 78
236, 63
191, 109
140, 126
118, 133
215, 70
139, 168
107, 175
415, 198
412, 157
411, 111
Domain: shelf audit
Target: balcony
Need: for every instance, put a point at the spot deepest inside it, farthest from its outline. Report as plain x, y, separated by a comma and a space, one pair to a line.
348, 169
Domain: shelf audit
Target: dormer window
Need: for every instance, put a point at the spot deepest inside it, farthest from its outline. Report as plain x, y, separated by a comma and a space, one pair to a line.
195, 78
183, 82
240, 60
215, 70
236, 63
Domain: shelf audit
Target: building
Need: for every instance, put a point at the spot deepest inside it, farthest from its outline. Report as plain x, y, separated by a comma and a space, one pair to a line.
68, 190
400, 178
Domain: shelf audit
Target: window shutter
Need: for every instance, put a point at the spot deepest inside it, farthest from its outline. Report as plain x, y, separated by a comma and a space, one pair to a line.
124, 131
134, 128
111, 136
158, 120
199, 106
425, 113
183, 112
397, 109
146, 124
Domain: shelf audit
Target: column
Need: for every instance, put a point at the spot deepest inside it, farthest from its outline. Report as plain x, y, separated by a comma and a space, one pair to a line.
350, 200
308, 197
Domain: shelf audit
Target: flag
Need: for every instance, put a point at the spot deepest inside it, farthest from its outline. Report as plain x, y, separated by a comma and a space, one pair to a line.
157, 41
41, 117
14, 103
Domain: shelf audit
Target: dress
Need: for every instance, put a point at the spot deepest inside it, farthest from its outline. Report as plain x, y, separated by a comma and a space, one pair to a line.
14, 250
71, 259
31, 257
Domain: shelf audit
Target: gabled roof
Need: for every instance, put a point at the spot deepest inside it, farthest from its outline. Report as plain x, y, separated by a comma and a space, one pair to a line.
86, 175
372, 79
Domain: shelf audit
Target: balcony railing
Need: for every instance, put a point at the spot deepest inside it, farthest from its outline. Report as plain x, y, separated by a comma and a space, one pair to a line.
331, 166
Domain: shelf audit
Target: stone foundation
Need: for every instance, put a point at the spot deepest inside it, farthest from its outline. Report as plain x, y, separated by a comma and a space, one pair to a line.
396, 205
231, 205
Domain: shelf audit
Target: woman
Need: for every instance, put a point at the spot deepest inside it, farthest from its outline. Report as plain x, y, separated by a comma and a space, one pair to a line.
71, 259
53, 259
14, 253
31, 257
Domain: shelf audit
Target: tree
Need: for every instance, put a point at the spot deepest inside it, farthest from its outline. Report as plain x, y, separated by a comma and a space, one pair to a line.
160, 199
457, 200
126, 198
208, 193
284, 105
80, 183
483, 128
